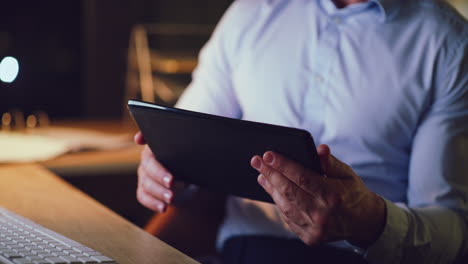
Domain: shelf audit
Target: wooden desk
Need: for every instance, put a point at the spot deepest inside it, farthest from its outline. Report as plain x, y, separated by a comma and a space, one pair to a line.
110, 170
92, 163
34, 192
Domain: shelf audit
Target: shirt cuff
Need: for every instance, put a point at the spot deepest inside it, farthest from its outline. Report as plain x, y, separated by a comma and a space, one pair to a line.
389, 246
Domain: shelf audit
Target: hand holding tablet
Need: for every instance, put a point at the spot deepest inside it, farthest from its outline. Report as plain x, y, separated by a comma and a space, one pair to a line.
214, 152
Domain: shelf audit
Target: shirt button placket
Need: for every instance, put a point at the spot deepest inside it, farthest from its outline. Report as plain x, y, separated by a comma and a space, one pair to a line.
321, 60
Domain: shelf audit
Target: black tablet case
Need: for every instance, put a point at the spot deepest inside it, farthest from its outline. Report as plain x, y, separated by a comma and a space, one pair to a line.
214, 152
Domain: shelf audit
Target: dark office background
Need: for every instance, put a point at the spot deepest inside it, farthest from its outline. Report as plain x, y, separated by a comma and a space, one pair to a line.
73, 54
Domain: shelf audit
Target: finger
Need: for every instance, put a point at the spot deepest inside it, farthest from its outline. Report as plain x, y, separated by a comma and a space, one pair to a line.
139, 139
150, 202
305, 212
277, 181
154, 188
154, 169
308, 180
284, 204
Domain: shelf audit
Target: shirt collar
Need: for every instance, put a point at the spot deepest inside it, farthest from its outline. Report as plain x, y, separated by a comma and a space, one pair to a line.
385, 8
388, 8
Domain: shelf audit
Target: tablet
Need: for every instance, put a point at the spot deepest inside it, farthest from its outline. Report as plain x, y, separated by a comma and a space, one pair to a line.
214, 152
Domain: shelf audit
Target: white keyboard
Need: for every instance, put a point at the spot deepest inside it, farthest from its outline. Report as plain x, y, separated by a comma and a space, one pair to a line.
25, 242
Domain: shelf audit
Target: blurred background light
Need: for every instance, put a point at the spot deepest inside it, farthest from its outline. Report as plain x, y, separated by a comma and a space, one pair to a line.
9, 69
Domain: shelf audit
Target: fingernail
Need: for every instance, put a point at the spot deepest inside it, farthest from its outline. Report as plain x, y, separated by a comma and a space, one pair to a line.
168, 196
268, 157
261, 180
167, 179
161, 208
256, 163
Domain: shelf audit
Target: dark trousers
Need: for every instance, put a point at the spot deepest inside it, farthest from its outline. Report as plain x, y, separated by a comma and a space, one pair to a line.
271, 250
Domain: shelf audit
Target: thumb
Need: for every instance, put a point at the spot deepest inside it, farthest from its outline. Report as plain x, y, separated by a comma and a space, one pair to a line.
139, 139
331, 166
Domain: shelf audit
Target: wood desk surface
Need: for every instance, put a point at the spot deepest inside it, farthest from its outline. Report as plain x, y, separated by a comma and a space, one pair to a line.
37, 194
97, 162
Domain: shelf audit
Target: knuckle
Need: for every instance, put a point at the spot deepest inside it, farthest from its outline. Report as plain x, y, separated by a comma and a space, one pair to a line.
302, 223
303, 180
287, 211
283, 188
278, 162
288, 191
267, 171
145, 184
149, 203
140, 170
333, 201
141, 198
286, 219
138, 195
144, 164
145, 153
151, 168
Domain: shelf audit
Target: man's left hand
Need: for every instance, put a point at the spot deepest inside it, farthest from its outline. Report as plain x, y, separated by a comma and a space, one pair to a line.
336, 206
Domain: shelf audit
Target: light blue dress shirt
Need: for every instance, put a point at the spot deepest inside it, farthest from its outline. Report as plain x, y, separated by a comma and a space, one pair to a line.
383, 83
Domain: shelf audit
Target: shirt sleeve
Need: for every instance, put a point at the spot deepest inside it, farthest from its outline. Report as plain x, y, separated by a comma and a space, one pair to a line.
211, 90
432, 227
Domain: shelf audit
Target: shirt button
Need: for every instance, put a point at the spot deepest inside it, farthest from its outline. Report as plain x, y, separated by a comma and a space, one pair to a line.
319, 79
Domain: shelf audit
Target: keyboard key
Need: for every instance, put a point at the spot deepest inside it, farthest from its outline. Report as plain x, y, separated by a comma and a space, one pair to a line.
79, 255
71, 260
83, 249
27, 254
40, 251
61, 248
15, 247
41, 262
60, 254
47, 255
56, 244
56, 260
26, 244
11, 254
34, 258
23, 250
42, 245
88, 260
31, 248
103, 259
22, 261
70, 251
52, 250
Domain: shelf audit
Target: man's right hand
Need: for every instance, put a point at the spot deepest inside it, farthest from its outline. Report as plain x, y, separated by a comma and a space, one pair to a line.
154, 181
